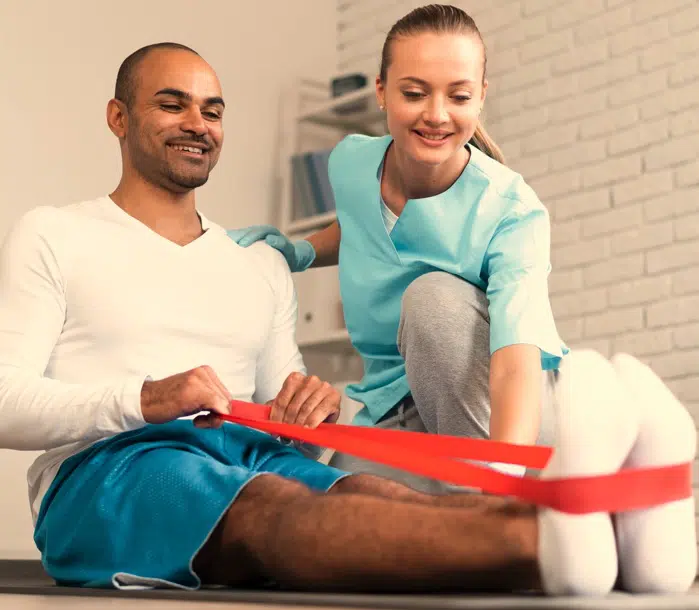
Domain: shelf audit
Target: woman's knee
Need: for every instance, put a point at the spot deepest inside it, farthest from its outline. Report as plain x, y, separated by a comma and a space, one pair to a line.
436, 304
443, 292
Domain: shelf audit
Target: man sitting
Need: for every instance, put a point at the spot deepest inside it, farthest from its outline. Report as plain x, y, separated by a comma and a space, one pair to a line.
123, 317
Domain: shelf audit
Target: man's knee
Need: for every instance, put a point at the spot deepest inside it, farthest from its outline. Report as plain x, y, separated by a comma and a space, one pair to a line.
260, 503
438, 302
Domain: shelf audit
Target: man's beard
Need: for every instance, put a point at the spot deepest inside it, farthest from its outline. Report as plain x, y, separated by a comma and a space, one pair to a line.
159, 171
185, 180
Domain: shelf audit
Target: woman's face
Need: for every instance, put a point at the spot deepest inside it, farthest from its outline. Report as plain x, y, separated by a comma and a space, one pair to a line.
433, 94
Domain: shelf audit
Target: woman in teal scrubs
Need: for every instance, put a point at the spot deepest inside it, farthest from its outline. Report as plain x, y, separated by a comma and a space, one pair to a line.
443, 251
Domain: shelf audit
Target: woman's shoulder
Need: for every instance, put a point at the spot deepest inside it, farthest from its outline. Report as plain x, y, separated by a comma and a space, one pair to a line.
503, 180
357, 146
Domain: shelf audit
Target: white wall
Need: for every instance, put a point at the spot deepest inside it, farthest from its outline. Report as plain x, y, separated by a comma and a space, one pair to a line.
596, 103
58, 62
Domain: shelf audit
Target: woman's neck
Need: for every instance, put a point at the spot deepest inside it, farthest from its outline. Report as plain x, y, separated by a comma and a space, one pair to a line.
405, 179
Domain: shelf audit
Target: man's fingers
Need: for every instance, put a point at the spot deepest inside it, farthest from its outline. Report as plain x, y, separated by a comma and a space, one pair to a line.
216, 397
311, 403
277, 411
327, 411
208, 420
304, 399
211, 375
286, 394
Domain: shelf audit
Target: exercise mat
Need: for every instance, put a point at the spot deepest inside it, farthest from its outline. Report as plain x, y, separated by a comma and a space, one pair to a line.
28, 578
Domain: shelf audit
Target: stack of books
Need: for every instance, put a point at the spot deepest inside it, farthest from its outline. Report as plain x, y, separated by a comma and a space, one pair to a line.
312, 193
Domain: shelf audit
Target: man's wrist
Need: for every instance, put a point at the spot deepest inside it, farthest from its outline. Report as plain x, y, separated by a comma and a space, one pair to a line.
146, 395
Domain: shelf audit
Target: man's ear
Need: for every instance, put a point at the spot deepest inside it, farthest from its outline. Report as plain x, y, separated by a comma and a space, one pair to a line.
117, 117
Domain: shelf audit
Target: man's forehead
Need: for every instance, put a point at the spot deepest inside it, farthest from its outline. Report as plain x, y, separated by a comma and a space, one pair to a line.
178, 70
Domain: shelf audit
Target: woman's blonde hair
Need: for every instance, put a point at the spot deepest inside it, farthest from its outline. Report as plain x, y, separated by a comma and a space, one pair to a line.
441, 18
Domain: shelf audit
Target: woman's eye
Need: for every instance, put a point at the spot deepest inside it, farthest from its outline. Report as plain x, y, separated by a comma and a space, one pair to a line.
462, 98
412, 94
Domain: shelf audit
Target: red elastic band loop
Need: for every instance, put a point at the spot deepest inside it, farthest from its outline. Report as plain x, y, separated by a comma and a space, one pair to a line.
436, 456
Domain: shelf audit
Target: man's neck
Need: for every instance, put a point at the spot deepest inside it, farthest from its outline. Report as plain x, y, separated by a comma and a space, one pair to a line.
171, 215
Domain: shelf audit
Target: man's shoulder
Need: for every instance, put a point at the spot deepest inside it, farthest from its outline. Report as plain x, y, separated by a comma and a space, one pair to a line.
59, 229
51, 219
40, 222
254, 263
271, 262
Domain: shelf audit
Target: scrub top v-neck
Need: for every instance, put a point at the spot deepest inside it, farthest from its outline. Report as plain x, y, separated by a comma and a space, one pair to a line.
489, 228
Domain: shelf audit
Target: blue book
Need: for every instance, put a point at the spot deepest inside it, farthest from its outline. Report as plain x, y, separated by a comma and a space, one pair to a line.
315, 184
303, 205
320, 163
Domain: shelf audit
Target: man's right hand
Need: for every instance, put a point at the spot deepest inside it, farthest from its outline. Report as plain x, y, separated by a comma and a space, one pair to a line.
183, 395
299, 254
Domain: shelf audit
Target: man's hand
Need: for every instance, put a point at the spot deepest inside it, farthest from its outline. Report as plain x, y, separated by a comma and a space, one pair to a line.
186, 394
306, 401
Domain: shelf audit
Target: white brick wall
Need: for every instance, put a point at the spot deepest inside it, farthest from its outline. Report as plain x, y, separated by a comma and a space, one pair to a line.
596, 103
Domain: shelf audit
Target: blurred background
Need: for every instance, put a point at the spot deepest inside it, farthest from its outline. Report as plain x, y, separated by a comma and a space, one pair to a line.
594, 102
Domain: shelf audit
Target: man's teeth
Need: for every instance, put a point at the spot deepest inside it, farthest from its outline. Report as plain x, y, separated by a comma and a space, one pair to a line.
429, 136
188, 149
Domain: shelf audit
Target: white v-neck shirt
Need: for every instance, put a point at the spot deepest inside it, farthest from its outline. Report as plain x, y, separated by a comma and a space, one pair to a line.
389, 218
92, 302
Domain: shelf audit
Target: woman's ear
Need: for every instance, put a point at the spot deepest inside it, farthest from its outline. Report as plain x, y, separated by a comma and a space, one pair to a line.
483, 92
380, 93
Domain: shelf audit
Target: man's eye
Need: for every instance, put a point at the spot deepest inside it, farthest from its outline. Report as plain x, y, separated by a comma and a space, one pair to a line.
213, 115
169, 106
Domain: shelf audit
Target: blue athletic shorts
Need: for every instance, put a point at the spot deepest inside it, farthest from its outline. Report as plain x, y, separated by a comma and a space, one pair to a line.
135, 509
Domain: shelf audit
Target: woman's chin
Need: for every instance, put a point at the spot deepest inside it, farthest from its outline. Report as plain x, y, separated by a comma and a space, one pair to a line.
430, 157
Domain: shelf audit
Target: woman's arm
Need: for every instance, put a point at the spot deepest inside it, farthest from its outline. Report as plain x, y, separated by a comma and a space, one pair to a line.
319, 249
326, 243
515, 394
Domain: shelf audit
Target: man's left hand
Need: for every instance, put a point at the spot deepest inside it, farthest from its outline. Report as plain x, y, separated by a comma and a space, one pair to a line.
306, 401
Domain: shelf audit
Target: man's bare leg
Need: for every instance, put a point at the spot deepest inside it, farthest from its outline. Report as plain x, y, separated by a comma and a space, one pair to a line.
280, 530
372, 485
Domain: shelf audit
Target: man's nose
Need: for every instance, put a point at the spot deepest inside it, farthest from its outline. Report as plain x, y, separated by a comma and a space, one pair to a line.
194, 122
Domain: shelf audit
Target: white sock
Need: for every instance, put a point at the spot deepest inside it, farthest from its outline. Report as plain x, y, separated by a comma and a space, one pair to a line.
516, 470
595, 430
657, 546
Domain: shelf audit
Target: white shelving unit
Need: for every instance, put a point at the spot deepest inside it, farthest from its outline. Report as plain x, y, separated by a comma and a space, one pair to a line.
333, 341
310, 110
313, 120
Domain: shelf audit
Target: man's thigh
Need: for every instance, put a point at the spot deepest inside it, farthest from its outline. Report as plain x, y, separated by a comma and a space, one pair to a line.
137, 508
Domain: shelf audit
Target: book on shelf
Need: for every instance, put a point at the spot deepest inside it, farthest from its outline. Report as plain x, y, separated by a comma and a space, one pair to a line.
312, 193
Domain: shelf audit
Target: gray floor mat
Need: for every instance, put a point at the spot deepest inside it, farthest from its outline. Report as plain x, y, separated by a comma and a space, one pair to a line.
28, 577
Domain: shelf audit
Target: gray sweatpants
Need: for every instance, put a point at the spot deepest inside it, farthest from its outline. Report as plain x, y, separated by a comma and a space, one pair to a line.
444, 337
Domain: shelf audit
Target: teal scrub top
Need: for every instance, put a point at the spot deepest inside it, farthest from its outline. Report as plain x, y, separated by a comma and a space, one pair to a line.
488, 228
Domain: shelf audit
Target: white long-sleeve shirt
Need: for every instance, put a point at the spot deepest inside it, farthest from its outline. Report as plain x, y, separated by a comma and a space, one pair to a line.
92, 302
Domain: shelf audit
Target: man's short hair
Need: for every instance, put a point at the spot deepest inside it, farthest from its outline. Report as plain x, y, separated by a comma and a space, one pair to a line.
125, 88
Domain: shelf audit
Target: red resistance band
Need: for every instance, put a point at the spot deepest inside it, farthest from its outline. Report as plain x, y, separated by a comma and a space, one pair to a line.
436, 456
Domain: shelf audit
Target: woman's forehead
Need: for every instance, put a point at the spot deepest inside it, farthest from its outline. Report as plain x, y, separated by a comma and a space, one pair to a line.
431, 56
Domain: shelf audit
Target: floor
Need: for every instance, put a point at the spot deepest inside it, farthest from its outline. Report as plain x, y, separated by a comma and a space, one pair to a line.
24, 587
